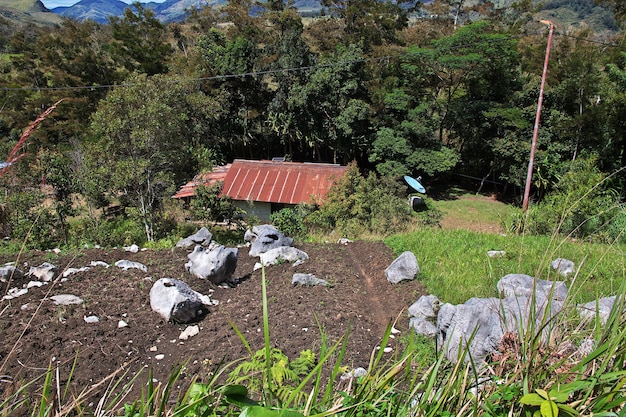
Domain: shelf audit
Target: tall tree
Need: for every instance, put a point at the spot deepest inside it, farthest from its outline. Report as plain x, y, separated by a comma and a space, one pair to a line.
140, 41
289, 60
141, 143
368, 22
336, 104
232, 66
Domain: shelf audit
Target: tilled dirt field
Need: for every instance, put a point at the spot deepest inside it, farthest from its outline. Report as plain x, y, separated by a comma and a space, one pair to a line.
36, 334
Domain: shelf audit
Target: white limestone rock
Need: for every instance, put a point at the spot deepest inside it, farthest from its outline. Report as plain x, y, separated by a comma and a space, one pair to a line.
175, 301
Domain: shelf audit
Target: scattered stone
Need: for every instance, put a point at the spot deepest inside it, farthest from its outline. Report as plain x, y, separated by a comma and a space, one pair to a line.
126, 265
121, 324
496, 253
344, 241
32, 284
404, 267
8, 272
159, 356
282, 254
72, 271
190, 331
217, 264
265, 237
100, 263
563, 266
91, 319
14, 293
355, 373
175, 301
308, 280
132, 248
201, 237
45, 272
153, 348
66, 299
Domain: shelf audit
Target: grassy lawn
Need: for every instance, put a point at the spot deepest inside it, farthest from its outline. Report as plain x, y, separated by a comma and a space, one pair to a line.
455, 266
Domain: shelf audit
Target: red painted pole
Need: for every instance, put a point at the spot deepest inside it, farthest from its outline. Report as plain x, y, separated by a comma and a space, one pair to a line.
533, 145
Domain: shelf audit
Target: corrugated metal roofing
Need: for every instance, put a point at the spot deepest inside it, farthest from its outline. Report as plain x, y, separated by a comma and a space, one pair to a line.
189, 189
280, 182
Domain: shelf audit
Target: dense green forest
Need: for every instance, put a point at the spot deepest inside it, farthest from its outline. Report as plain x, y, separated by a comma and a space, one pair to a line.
449, 95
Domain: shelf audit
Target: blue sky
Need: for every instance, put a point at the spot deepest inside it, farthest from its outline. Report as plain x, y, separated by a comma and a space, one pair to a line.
51, 4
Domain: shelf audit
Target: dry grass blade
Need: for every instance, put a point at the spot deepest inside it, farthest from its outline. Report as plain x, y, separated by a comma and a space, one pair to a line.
15, 154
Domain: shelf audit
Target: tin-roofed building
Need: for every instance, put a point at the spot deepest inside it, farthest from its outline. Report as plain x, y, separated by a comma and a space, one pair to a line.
263, 187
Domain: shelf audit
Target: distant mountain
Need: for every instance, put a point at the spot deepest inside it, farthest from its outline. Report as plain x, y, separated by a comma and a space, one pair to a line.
26, 12
101, 10
96, 10
567, 14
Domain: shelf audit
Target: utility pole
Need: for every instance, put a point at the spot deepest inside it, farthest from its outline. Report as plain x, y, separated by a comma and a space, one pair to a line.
533, 145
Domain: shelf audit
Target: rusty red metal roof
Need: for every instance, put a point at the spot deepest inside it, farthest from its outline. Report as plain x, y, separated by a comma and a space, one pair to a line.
270, 181
280, 182
209, 178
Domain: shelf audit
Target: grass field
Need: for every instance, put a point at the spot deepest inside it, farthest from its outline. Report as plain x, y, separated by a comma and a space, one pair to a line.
455, 266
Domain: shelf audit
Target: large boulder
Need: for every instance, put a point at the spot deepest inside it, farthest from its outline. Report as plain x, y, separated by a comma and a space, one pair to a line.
308, 280
176, 302
478, 325
201, 237
404, 267
282, 254
215, 263
265, 237
513, 285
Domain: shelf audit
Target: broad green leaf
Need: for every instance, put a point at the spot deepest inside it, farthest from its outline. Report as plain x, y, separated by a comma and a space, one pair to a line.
531, 399
549, 409
259, 411
543, 393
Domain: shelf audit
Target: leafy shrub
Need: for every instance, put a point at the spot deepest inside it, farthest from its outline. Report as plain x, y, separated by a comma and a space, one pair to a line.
356, 205
110, 232
209, 205
285, 374
27, 219
290, 221
581, 206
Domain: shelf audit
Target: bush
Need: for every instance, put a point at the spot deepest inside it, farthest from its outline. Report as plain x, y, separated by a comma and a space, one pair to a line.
356, 205
208, 205
119, 231
25, 218
290, 221
583, 205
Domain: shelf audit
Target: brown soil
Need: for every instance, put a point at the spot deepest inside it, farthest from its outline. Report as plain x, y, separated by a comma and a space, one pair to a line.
35, 333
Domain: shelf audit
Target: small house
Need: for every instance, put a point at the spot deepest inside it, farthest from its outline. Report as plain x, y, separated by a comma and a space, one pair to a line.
263, 187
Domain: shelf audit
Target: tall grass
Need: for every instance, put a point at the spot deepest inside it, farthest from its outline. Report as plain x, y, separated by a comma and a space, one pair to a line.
455, 266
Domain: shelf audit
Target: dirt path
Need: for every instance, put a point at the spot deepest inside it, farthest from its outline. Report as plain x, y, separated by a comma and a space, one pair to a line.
365, 272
